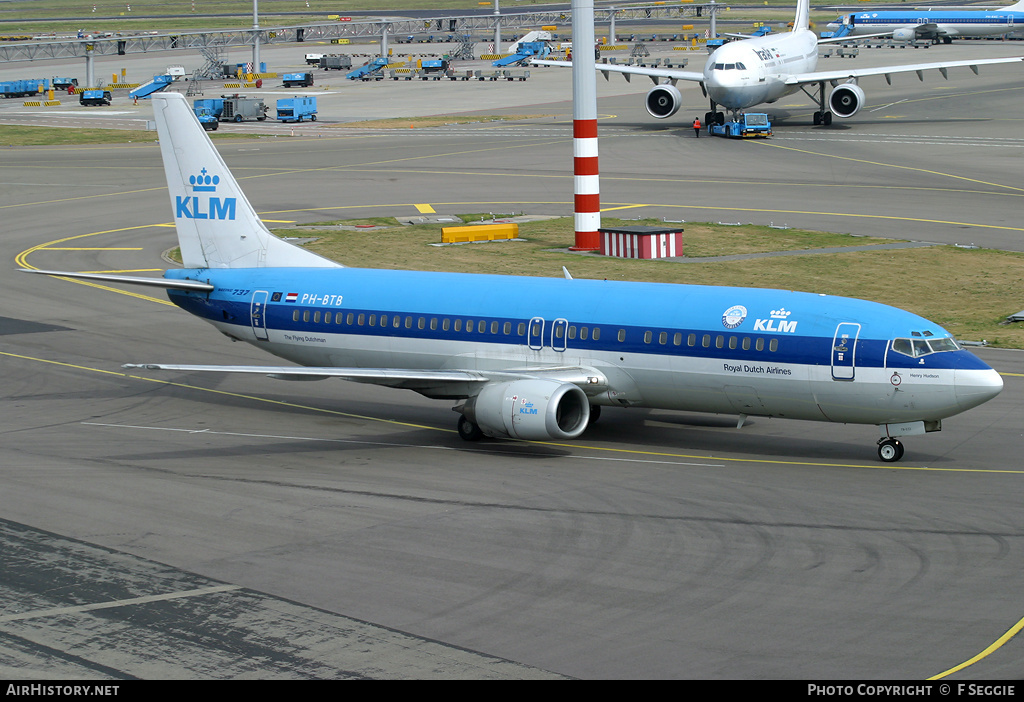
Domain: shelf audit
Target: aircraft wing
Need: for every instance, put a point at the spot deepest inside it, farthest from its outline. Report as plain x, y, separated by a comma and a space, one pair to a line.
887, 71
448, 383
655, 74
851, 40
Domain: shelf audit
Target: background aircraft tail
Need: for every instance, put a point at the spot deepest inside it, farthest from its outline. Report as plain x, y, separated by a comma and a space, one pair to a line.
803, 15
217, 227
1018, 7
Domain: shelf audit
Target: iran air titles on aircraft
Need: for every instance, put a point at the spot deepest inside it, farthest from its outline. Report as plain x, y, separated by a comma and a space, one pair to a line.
759, 70
931, 24
537, 358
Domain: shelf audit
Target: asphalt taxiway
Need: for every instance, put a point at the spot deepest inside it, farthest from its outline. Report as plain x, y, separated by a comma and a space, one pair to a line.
192, 526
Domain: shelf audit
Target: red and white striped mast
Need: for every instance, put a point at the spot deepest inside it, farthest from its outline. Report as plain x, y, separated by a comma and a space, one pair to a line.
587, 193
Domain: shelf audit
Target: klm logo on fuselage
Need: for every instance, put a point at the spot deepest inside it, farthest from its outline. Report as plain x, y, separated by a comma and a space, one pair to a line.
779, 323
203, 206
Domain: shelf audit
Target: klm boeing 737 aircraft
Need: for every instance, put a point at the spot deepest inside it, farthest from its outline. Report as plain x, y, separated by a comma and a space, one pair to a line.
935, 25
749, 72
536, 358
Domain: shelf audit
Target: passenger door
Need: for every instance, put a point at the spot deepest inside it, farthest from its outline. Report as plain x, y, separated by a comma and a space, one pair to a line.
844, 351
258, 314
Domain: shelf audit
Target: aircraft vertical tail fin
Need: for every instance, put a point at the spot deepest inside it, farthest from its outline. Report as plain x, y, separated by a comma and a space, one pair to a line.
217, 227
1018, 7
803, 15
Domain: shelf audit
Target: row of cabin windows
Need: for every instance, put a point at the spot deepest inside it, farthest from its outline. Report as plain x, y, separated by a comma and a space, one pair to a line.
720, 341
397, 322
445, 324
561, 331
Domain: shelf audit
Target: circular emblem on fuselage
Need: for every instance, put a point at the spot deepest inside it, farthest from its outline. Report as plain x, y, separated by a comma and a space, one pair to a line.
734, 316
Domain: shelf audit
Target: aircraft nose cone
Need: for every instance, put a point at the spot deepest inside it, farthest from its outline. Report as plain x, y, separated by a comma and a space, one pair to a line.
974, 387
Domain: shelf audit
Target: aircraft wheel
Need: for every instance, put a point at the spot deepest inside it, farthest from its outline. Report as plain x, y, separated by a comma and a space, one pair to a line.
890, 450
595, 414
826, 118
469, 431
817, 118
719, 118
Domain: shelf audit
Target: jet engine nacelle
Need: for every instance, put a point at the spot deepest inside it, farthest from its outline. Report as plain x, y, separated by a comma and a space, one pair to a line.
904, 34
846, 100
663, 100
535, 409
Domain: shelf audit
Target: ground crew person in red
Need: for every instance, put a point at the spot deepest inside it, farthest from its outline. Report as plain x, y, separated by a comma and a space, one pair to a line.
696, 127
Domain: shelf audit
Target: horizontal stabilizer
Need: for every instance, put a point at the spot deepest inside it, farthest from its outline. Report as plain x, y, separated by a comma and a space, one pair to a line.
165, 283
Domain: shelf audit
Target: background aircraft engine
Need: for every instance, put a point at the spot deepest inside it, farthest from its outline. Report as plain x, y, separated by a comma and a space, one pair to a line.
904, 34
531, 409
846, 100
663, 100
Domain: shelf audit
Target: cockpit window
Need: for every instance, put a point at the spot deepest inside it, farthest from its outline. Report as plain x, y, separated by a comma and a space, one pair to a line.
945, 344
740, 66
921, 347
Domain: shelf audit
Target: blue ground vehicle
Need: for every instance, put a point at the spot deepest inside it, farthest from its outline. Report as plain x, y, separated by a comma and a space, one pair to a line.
24, 88
154, 86
94, 97
208, 111
293, 79
750, 125
369, 69
296, 109
526, 50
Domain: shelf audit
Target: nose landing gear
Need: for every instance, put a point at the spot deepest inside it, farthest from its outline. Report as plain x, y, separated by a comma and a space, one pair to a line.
889, 450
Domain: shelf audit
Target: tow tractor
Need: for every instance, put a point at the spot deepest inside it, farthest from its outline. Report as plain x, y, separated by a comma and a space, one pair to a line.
744, 126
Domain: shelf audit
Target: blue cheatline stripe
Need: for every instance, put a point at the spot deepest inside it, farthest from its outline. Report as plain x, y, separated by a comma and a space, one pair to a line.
637, 308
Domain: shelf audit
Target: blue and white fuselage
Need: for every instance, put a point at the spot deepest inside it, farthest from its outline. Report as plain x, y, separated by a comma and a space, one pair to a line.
945, 25
701, 348
536, 358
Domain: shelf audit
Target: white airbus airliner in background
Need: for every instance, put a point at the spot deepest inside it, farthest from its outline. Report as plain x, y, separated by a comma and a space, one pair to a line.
536, 358
749, 72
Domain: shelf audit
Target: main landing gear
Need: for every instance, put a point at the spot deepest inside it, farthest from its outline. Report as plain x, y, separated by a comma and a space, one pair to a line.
468, 431
821, 115
889, 450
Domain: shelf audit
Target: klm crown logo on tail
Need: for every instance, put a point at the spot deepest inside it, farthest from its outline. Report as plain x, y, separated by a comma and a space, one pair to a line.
204, 207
